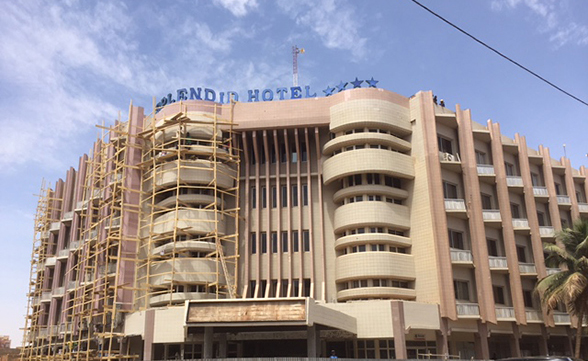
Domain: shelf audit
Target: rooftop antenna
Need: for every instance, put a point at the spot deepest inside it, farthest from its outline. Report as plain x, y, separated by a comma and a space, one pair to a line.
295, 52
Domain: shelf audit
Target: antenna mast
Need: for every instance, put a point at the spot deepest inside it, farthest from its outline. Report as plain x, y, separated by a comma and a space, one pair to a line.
295, 52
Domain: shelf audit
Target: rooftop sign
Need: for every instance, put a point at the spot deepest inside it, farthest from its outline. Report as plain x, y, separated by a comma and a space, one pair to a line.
256, 95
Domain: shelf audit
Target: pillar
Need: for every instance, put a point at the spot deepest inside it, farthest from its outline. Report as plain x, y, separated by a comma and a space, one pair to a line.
313, 341
208, 341
442, 335
482, 350
148, 335
543, 347
222, 346
398, 328
515, 345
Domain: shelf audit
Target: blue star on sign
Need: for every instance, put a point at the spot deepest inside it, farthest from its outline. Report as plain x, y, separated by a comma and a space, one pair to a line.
372, 83
341, 86
356, 83
328, 91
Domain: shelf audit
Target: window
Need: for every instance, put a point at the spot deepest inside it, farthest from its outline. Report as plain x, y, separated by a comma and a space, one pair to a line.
486, 201
559, 189
253, 243
272, 154
306, 240
284, 196
514, 210
295, 288
510, 169
492, 247
253, 197
303, 152
305, 194
462, 290
580, 197
444, 145
263, 241
294, 195
535, 180
373, 178
274, 197
263, 197
449, 190
283, 154
295, 244
456, 239
481, 157
541, 219
294, 153
522, 257
498, 292
528, 298
262, 288
262, 155
274, 242
354, 180
284, 288
284, 241
392, 182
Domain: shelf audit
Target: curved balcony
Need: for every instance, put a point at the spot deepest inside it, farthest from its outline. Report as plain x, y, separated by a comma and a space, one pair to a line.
188, 199
192, 172
369, 138
367, 238
179, 297
192, 270
377, 292
370, 113
197, 131
363, 265
192, 221
193, 246
369, 189
371, 214
361, 161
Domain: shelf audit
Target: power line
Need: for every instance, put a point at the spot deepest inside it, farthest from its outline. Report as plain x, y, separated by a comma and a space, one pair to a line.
500, 54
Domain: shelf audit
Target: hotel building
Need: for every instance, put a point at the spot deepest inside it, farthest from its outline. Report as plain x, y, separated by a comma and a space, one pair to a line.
365, 222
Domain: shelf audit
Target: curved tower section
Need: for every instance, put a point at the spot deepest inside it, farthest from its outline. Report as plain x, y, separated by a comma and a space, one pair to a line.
369, 162
189, 207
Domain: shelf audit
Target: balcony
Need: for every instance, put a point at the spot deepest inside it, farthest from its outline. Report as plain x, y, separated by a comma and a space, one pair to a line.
468, 310
107, 269
492, 216
71, 285
505, 313
498, 263
50, 261
450, 161
54, 227
486, 172
564, 201
456, 207
67, 216
63, 253
546, 232
74, 245
46, 296
58, 292
44, 234
551, 271
521, 224
113, 224
583, 207
461, 256
561, 318
541, 193
527, 269
514, 181
534, 316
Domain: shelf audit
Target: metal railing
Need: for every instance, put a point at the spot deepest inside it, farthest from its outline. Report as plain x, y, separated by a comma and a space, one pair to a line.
455, 204
461, 255
497, 262
491, 214
514, 181
468, 309
540, 191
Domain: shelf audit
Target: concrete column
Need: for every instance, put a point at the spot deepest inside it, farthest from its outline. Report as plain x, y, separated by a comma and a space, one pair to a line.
148, 335
569, 344
222, 346
482, 349
515, 346
208, 341
398, 328
543, 348
313, 341
442, 338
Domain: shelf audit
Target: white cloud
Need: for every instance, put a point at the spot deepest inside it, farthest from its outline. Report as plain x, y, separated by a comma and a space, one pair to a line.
560, 28
335, 23
238, 8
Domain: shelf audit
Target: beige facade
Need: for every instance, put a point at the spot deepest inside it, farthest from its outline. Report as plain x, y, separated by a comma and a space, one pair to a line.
368, 223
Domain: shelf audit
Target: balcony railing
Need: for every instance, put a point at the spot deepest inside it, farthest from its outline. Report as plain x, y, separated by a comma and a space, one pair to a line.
561, 318
547, 231
50, 261
563, 200
54, 226
514, 181
505, 312
491, 214
468, 309
109, 269
497, 262
59, 291
71, 285
533, 315
527, 268
461, 255
551, 271
520, 223
486, 169
46, 296
455, 204
583, 207
540, 191
68, 216
448, 157
63, 253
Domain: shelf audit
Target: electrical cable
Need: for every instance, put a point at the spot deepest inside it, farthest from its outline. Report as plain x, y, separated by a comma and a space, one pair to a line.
500, 54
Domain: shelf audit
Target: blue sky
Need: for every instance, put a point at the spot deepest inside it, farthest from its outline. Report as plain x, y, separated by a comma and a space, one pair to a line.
68, 65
